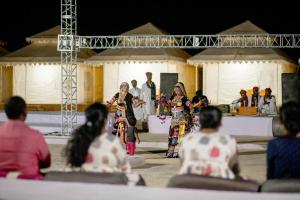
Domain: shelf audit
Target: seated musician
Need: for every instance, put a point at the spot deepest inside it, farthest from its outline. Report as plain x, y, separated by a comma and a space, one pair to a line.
255, 97
243, 101
267, 104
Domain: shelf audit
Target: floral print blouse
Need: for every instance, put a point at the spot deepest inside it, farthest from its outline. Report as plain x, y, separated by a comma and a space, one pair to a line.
207, 154
106, 154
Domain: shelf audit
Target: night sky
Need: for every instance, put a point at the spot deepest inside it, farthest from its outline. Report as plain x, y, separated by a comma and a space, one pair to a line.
20, 19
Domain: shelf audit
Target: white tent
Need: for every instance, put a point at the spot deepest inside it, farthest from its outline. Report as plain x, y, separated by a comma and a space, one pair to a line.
121, 65
37, 72
227, 71
4, 92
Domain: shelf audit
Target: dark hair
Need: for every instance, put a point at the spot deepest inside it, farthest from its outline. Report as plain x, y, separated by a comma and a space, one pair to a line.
210, 117
131, 120
290, 117
82, 137
14, 107
199, 93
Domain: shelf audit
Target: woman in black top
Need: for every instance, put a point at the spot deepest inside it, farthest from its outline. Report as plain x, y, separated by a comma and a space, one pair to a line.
123, 112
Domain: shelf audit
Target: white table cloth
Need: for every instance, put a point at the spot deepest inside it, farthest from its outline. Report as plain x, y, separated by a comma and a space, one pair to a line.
233, 125
159, 125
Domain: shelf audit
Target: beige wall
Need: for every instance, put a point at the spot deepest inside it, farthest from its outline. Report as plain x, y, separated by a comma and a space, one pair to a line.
41, 84
116, 73
223, 81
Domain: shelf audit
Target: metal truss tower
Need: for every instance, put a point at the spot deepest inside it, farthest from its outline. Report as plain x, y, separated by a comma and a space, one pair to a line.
68, 66
69, 44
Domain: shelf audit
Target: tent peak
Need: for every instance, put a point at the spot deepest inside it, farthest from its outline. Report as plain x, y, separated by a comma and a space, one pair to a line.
48, 34
244, 27
148, 28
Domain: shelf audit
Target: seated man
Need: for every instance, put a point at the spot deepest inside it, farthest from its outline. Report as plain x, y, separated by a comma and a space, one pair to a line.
255, 97
243, 101
199, 101
23, 151
267, 104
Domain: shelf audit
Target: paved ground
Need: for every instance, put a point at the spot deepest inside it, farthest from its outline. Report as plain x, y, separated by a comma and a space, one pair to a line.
158, 170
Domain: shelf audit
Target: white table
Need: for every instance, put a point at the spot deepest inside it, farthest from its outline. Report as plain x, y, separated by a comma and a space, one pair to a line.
247, 125
233, 125
157, 125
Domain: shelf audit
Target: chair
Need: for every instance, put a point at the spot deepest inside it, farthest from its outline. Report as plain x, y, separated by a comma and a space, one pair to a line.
211, 183
91, 177
277, 127
281, 186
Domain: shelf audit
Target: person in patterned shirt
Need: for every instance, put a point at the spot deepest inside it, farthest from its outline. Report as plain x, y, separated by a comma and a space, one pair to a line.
92, 149
209, 152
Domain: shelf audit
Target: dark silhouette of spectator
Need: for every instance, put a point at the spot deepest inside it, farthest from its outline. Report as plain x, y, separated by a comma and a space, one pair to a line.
283, 153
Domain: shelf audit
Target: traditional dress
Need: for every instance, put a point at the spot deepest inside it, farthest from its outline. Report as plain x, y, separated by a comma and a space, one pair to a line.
180, 123
137, 107
123, 112
148, 96
267, 105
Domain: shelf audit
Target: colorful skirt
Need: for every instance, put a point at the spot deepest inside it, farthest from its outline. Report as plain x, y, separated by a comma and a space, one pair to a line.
179, 127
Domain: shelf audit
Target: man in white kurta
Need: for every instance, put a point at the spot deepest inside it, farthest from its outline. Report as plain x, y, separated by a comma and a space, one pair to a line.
267, 104
137, 104
149, 96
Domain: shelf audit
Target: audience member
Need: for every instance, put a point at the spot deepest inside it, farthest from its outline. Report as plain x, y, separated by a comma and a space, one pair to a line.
283, 153
23, 150
209, 152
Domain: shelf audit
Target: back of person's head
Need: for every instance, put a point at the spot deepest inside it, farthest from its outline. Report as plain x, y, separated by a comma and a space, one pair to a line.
15, 107
82, 137
210, 117
131, 120
290, 117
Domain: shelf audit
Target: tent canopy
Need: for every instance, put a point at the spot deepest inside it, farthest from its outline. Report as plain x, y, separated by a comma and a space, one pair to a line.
240, 54
141, 54
42, 48
3, 51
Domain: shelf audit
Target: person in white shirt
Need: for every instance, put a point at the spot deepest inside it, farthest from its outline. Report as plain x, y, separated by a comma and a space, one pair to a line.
209, 152
149, 96
267, 104
137, 104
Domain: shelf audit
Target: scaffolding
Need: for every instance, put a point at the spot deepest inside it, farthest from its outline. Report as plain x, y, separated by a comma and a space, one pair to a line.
69, 43
68, 66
